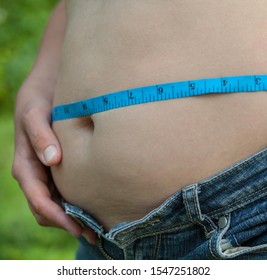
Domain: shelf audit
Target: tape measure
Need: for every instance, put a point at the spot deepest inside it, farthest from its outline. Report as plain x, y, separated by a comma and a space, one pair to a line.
159, 92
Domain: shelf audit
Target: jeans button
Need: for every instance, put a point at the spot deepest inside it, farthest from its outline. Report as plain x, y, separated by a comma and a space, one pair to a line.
222, 222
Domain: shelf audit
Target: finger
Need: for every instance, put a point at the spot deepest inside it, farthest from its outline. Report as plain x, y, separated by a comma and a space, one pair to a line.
86, 233
44, 141
50, 214
32, 177
89, 235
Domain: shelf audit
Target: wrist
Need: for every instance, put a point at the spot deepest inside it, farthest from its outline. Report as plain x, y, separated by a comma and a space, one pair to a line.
34, 94
38, 85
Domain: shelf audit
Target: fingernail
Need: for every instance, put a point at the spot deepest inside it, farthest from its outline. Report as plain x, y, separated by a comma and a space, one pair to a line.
50, 153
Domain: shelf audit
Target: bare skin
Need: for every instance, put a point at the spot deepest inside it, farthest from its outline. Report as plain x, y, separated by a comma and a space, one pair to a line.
120, 164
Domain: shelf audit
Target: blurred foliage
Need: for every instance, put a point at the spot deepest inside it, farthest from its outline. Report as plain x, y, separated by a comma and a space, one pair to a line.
21, 26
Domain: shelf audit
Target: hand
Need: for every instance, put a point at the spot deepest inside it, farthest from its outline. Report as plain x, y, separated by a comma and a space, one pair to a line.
37, 148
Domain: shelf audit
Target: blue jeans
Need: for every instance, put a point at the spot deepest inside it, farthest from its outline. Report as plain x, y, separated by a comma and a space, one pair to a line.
222, 217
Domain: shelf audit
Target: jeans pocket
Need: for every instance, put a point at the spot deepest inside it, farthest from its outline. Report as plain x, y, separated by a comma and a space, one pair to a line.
243, 234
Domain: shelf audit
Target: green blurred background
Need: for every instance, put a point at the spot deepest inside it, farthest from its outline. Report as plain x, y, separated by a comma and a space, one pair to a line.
21, 26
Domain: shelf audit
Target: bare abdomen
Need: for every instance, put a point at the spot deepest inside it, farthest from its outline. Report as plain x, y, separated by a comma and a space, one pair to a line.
122, 163
134, 158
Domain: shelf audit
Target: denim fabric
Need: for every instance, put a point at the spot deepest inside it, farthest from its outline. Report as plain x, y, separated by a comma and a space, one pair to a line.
222, 217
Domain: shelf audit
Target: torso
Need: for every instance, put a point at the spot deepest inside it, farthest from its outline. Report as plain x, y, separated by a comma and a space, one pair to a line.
120, 164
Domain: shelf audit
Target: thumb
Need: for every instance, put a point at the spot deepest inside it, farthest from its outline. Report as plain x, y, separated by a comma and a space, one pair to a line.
42, 138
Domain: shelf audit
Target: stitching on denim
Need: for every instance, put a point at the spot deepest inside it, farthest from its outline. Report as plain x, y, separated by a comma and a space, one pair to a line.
235, 240
165, 206
200, 215
187, 207
165, 230
160, 238
211, 250
249, 250
148, 217
82, 218
126, 254
237, 204
195, 203
235, 255
212, 213
216, 240
157, 246
245, 162
182, 226
198, 212
259, 252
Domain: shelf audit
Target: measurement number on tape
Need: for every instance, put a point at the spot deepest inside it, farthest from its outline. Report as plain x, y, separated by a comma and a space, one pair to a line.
160, 92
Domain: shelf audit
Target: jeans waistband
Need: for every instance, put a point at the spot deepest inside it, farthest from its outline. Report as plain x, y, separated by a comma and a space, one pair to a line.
218, 195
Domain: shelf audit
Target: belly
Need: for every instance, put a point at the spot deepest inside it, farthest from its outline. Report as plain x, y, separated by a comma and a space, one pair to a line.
120, 164
127, 161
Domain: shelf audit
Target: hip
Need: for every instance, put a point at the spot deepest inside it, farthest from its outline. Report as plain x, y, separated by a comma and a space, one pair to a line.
222, 217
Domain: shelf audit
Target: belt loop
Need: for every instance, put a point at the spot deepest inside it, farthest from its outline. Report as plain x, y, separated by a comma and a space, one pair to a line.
190, 196
193, 210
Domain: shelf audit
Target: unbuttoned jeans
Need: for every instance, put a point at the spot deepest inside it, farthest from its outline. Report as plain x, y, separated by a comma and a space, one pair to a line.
222, 217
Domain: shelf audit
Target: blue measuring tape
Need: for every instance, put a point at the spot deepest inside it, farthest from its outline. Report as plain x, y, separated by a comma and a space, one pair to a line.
159, 92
